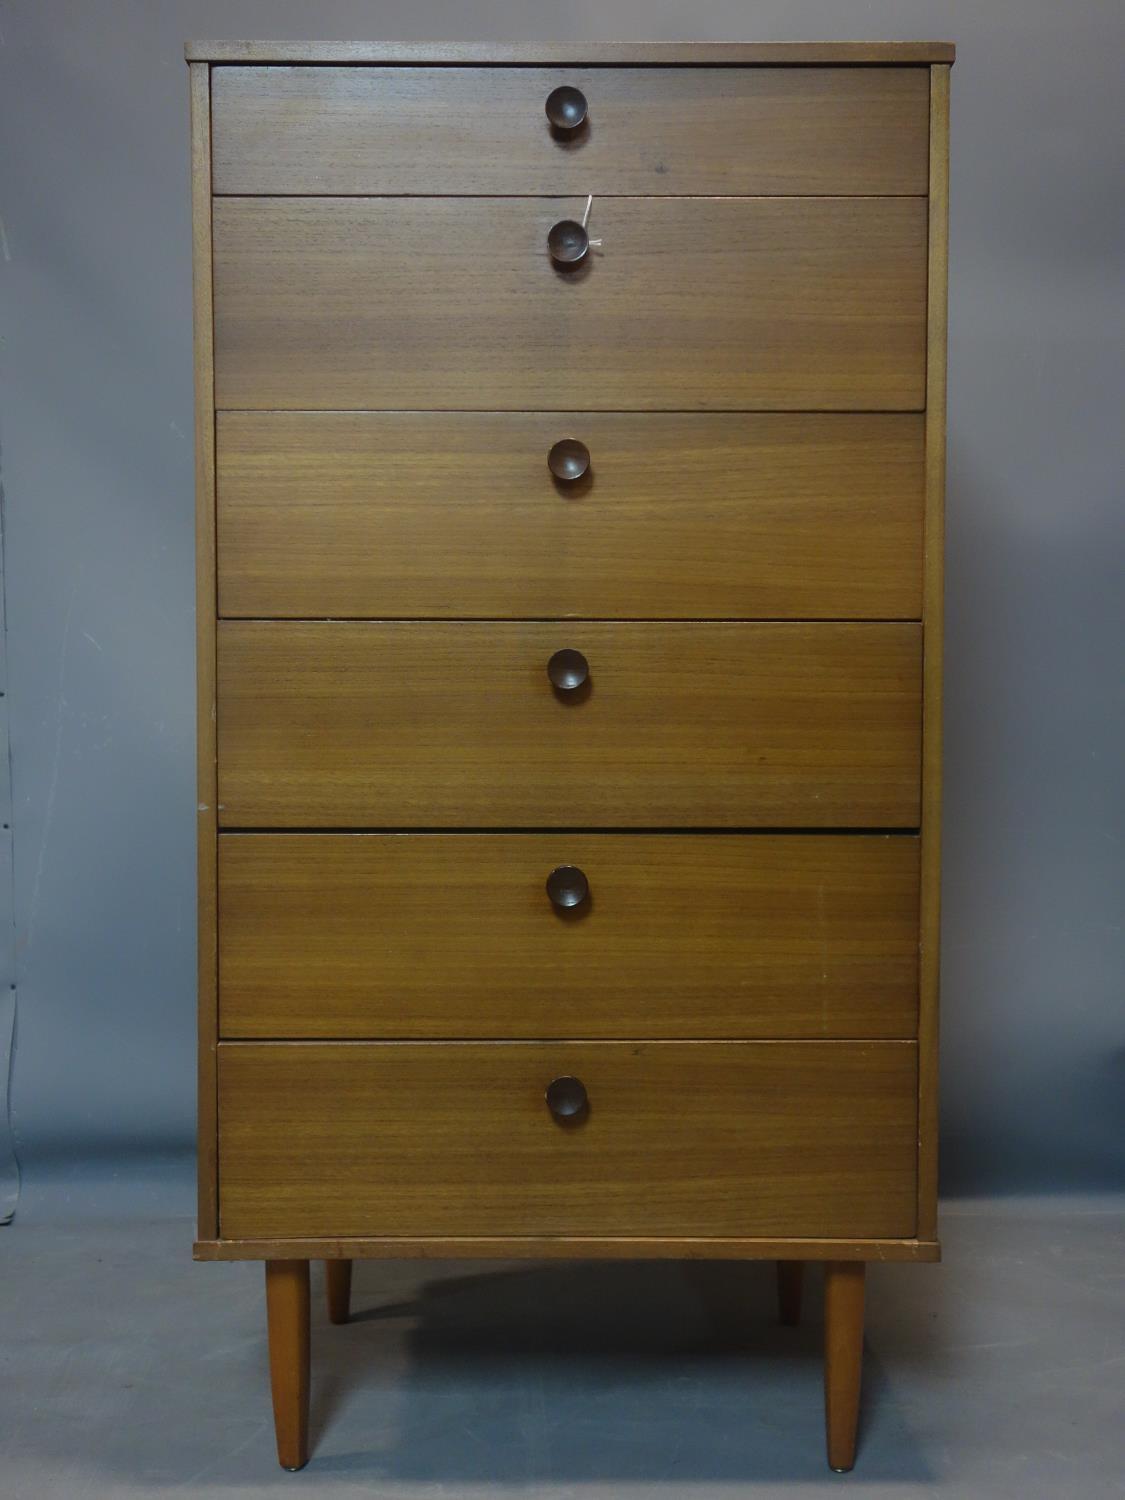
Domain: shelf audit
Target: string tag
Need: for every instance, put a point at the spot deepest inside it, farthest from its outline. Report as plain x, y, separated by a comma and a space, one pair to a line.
586, 218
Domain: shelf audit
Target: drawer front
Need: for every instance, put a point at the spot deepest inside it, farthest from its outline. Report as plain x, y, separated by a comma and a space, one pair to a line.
378, 514
720, 1138
405, 724
457, 935
721, 303
647, 130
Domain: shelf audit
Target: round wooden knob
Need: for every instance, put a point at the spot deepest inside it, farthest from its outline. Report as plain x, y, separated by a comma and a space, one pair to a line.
567, 887
566, 107
567, 1099
568, 670
567, 243
568, 460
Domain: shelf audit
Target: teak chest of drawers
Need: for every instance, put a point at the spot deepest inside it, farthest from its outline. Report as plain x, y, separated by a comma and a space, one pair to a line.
570, 430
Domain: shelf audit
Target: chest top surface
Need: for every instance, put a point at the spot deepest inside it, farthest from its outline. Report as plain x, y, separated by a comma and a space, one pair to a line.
611, 53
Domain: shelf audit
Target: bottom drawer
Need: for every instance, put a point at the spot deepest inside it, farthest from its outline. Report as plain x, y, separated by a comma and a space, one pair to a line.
676, 1138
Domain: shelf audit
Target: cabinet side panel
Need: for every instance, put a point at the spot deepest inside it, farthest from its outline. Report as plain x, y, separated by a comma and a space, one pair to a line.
205, 636
932, 608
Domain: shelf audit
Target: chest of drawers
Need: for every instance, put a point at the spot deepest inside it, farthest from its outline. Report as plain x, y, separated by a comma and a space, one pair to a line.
570, 430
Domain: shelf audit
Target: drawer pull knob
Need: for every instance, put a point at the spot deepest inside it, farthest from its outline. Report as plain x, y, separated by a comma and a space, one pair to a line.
568, 243
567, 887
568, 670
568, 460
566, 1098
566, 107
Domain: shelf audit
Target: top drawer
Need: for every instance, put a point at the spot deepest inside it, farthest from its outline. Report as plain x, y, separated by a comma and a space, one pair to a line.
649, 131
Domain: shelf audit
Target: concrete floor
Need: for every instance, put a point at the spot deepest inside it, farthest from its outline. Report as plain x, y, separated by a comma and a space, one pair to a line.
128, 1370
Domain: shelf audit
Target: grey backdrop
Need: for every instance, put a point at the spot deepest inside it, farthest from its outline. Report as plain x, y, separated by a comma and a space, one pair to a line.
97, 469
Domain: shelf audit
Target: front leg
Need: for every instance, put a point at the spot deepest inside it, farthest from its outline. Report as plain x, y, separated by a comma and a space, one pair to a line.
843, 1357
287, 1313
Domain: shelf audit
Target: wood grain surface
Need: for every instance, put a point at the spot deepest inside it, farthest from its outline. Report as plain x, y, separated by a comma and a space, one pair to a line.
449, 130
432, 935
440, 514
755, 354
330, 724
287, 1314
934, 609
693, 303
703, 1138
844, 1284
659, 54
206, 783
567, 1247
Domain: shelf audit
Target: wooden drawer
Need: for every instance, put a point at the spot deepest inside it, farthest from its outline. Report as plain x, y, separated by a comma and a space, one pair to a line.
691, 303
706, 1138
378, 514
450, 130
454, 935
404, 724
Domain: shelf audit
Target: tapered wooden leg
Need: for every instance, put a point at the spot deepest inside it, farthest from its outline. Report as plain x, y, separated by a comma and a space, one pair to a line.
287, 1310
338, 1286
789, 1278
843, 1357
